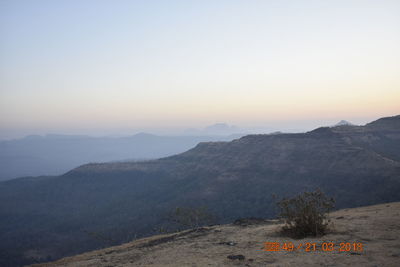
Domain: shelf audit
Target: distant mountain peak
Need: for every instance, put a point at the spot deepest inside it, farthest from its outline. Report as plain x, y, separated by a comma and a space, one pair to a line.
220, 127
343, 123
143, 134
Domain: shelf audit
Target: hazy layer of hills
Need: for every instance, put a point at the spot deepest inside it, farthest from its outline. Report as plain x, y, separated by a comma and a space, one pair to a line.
56, 154
98, 205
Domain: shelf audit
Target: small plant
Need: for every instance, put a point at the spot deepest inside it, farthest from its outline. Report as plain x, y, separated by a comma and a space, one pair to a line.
305, 214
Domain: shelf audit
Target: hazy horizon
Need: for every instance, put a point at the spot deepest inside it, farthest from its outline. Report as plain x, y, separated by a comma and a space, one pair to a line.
122, 67
283, 126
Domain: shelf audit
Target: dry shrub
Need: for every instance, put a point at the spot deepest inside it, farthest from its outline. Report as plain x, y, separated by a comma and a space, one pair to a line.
306, 214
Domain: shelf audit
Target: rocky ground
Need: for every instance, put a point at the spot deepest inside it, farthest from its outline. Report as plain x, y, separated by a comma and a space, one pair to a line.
243, 244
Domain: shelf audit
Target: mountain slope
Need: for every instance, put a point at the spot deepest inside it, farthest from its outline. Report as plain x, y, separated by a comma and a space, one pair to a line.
375, 227
50, 217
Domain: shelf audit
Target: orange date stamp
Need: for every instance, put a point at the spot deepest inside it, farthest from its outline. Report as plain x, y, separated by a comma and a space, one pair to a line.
310, 247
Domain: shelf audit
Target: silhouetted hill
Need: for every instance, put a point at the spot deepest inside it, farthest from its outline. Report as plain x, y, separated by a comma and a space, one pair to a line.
385, 124
104, 204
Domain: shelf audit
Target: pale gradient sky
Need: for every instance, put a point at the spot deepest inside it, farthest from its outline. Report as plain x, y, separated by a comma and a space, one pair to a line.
87, 66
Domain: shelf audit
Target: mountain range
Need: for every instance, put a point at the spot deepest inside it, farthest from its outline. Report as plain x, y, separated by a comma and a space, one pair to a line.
54, 154
101, 204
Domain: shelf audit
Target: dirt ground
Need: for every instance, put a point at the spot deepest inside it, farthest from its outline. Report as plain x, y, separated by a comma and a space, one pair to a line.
376, 227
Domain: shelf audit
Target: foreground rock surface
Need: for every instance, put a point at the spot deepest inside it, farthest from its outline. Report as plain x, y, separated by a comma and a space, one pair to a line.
376, 227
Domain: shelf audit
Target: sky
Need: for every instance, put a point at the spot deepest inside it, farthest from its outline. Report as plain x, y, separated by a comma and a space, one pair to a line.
109, 67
